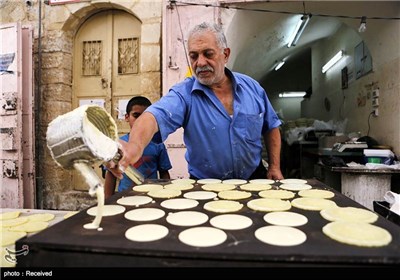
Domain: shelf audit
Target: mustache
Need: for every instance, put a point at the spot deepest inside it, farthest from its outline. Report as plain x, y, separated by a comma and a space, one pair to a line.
205, 68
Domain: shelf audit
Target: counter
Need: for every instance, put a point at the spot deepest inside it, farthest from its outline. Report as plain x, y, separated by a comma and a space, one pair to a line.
68, 244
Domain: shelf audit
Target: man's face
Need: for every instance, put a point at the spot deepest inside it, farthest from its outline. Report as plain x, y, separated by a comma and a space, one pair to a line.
135, 113
207, 59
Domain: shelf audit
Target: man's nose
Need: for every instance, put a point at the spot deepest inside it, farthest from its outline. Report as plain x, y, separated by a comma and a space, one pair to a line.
201, 61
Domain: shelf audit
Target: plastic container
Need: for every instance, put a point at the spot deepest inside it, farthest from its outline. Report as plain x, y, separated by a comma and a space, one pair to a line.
382, 156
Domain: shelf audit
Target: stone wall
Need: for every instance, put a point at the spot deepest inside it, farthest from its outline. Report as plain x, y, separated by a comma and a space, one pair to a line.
59, 24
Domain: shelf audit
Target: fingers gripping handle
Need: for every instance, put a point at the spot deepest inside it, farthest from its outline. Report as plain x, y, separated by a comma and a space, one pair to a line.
133, 174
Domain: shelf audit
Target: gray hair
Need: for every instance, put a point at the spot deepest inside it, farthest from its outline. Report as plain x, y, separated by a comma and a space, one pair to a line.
214, 28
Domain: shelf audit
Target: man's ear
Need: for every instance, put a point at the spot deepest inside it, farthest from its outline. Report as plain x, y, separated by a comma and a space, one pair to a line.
227, 53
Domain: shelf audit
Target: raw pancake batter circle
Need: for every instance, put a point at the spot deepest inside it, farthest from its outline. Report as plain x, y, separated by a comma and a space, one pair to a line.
108, 210
358, 234
280, 235
164, 193
218, 187
179, 203
146, 233
147, 187
196, 236
189, 181
200, 195
179, 186
231, 221
255, 187
234, 195
316, 193
262, 181
289, 219
349, 214
293, 181
223, 206
294, 187
144, 214
269, 204
187, 218
134, 200
209, 181
281, 194
234, 181
313, 204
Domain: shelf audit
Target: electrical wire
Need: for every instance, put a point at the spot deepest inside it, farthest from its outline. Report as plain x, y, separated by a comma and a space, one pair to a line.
183, 38
226, 6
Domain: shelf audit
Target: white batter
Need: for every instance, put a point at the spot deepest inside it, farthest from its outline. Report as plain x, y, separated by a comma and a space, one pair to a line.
231, 222
144, 214
187, 218
136, 200
280, 235
200, 195
202, 236
285, 218
146, 233
179, 203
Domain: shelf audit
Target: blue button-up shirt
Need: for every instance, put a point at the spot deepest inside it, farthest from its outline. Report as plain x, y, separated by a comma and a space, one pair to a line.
218, 145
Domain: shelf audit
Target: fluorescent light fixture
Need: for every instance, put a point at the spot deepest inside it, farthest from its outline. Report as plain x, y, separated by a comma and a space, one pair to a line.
279, 65
301, 25
332, 61
363, 24
292, 94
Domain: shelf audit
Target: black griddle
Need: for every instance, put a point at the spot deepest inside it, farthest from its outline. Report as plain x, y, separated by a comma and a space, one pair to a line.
68, 244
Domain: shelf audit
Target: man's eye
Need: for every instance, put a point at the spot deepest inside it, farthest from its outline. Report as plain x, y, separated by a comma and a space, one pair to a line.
209, 54
193, 56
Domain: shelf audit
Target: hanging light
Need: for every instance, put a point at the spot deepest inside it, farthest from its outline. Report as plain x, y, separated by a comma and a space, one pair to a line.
279, 65
363, 24
301, 25
332, 61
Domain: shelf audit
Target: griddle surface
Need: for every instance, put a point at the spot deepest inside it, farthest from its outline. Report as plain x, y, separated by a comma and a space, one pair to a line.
69, 244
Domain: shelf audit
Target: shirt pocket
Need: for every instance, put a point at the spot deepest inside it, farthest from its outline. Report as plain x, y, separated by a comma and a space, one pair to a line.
251, 125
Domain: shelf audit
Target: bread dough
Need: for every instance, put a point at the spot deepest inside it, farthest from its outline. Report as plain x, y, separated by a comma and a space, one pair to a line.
200, 195
269, 204
9, 215
144, 214
311, 203
290, 219
218, 187
187, 218
179, 186
280, 235
262, 181
189, 181
234, 181
293, 181
179, 203
281, 194
202, 236
42, 217
13, 222
164, 193
316, 193
358, 234
255, 187
209, 181
146, 233
223, 206
9, 237
108, 210
234, 195
147, 187
349, 214
231, 222
295, 187
30, 227
135, 200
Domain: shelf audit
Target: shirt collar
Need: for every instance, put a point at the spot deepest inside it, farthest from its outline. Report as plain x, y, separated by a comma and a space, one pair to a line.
198, 86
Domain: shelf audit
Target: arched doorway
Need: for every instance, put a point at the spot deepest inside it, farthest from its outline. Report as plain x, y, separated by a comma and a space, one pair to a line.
106, 67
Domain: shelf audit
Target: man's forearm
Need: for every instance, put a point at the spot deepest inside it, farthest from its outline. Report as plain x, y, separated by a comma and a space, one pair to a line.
273, 143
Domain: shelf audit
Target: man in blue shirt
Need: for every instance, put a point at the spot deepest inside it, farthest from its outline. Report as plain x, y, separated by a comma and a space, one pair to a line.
224, 116
154, 159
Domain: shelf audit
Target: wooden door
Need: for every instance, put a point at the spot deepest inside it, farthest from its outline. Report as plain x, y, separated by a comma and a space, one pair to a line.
106, 67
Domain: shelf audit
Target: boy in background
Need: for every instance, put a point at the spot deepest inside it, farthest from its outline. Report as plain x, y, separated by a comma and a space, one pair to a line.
154, 159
